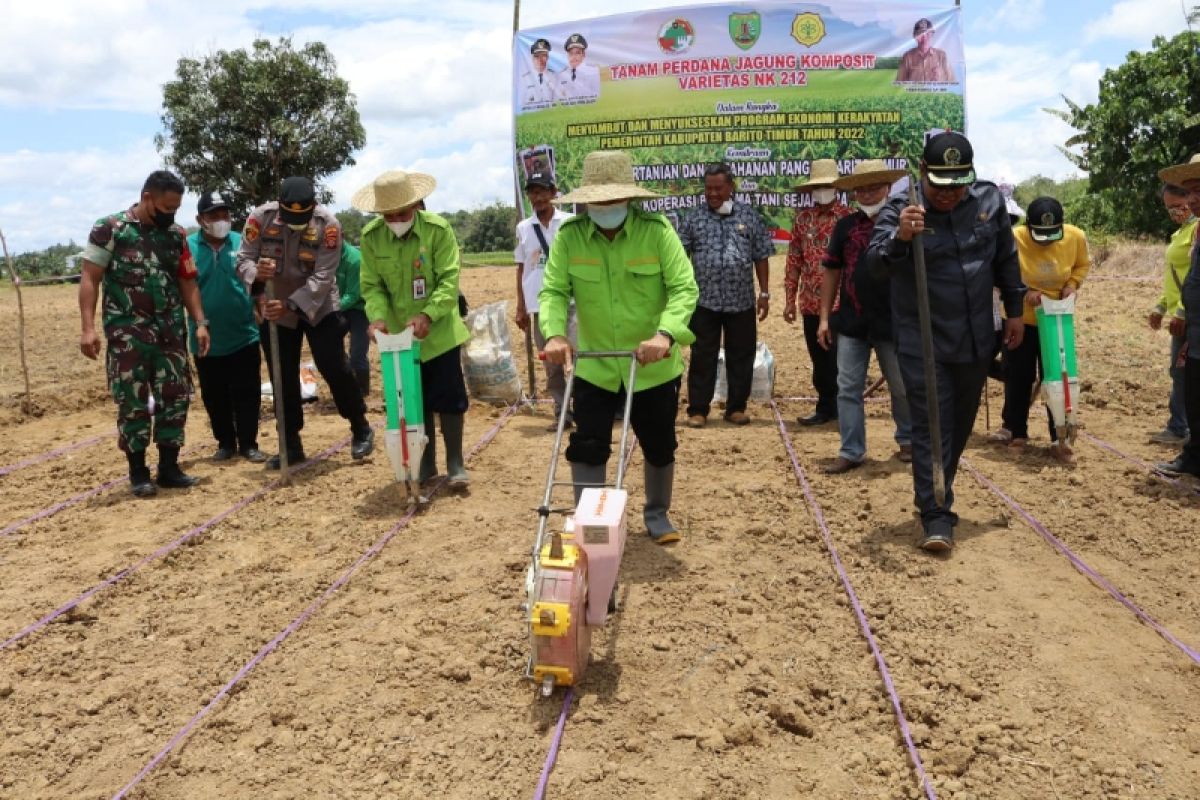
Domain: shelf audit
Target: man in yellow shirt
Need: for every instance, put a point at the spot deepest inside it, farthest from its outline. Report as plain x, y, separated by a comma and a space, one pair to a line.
634, 290
1054, 262
1169, 308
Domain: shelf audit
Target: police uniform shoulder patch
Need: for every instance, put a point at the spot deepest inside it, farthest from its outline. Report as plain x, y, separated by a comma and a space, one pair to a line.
250, 232
333, 237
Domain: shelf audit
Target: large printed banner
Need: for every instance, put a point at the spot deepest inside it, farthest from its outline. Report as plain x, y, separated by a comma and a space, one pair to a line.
766, 87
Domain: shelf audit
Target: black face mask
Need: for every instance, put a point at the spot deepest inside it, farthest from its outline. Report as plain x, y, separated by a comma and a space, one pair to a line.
162, 219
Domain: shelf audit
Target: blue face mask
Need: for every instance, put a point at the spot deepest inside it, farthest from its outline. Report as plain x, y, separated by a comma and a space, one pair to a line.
608, 217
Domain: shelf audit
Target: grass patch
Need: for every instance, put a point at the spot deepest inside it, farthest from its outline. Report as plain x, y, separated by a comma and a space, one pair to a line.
498, 258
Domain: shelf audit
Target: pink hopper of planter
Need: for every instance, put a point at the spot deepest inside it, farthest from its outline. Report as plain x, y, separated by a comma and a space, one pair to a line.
600, 531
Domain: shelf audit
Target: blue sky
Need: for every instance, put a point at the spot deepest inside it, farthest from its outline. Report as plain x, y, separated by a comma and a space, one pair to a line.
80, 88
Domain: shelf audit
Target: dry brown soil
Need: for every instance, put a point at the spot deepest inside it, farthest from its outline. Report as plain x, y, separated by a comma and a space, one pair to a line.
735, 670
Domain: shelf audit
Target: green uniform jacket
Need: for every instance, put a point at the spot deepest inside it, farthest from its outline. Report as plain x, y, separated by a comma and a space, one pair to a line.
625, 291
347, 277
391, 266
227, 304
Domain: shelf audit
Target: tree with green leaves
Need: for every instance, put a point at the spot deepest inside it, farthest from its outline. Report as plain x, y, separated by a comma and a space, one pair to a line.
353, 221
241, 121
1145, 119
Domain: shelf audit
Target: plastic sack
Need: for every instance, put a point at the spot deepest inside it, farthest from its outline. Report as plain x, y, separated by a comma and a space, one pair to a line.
762, 385
487, 357
308, 385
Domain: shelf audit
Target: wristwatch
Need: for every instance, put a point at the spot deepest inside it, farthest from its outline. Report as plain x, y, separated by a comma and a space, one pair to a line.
670, 338
764, 295
201, 323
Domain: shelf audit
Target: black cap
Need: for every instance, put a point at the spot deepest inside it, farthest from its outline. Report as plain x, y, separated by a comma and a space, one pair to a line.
297, 199
1045, 220
922, 26
210, 201
575, 40
544, 179
540, 46
947, 158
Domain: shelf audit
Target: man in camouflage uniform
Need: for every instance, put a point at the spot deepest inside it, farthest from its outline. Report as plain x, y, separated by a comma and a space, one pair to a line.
298, 244
141, 258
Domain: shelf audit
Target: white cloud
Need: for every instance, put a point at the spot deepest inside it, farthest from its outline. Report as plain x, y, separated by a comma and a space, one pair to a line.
1017, 15
1138, 21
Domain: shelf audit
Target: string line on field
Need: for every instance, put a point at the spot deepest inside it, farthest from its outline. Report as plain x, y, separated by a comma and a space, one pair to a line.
62, 451
303, 617
1135, 460
74, 500
124, 573
859, 613
1079, 564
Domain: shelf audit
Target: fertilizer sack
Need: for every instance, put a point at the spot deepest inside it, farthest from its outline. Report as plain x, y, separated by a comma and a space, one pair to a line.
762, 386
487, 357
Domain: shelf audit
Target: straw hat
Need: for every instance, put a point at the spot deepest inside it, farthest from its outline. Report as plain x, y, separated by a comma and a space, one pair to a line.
607, 175
1179, 173
393, 190
823, 173
869, 172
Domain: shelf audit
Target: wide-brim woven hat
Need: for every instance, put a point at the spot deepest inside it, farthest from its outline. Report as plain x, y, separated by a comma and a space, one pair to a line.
867, 173
821, 175
1179, 173
607, 175
393, 190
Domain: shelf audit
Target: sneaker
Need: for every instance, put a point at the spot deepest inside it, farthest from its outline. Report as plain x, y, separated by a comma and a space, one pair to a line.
1166, 437
1179, 467
697, 421
904, 454
1000, 436
737, 418
938, 537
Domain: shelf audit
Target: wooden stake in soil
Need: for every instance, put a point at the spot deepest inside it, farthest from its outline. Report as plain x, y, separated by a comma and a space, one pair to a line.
27, 406
277, 392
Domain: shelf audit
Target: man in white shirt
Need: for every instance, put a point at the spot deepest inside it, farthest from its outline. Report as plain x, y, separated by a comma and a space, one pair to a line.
577, 80
535, 235
538, 84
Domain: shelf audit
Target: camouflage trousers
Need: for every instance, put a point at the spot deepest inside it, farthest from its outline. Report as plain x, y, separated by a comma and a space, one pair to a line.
136, 370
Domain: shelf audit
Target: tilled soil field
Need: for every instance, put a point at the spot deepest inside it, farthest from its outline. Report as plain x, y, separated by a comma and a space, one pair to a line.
738, 666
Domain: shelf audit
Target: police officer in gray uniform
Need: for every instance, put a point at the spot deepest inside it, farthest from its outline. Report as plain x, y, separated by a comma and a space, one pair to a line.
969, 248
538, 83
299, 244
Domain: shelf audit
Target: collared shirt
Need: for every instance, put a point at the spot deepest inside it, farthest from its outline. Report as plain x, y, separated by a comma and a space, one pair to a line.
811, 230
347, 278
929, 67
582, 83
227, 305
865, 309
143, 265
625, 291
538, 89
306, 261
1050, 268
968, 250
1179, 262
416, 273
529, 253
723, 249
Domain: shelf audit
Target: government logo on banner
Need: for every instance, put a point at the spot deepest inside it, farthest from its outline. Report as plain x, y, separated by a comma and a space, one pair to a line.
676, 36
745, 29
808, 29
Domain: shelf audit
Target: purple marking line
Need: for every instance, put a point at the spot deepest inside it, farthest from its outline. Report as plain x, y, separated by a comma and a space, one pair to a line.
1130, 278
62, 451
1135, 460
552, 756
65, 504
1079, 563
304, 616
819, 515
160, 552
806, 399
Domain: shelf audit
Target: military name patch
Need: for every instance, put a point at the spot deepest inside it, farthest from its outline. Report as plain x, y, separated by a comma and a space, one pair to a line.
251, 230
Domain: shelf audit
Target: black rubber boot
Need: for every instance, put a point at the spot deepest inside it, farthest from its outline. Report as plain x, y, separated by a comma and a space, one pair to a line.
170, 476
139, 475
452, 437
363, 438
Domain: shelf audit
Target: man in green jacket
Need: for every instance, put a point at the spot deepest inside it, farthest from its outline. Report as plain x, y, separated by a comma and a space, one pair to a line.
354, 310
634, 290
409, 278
